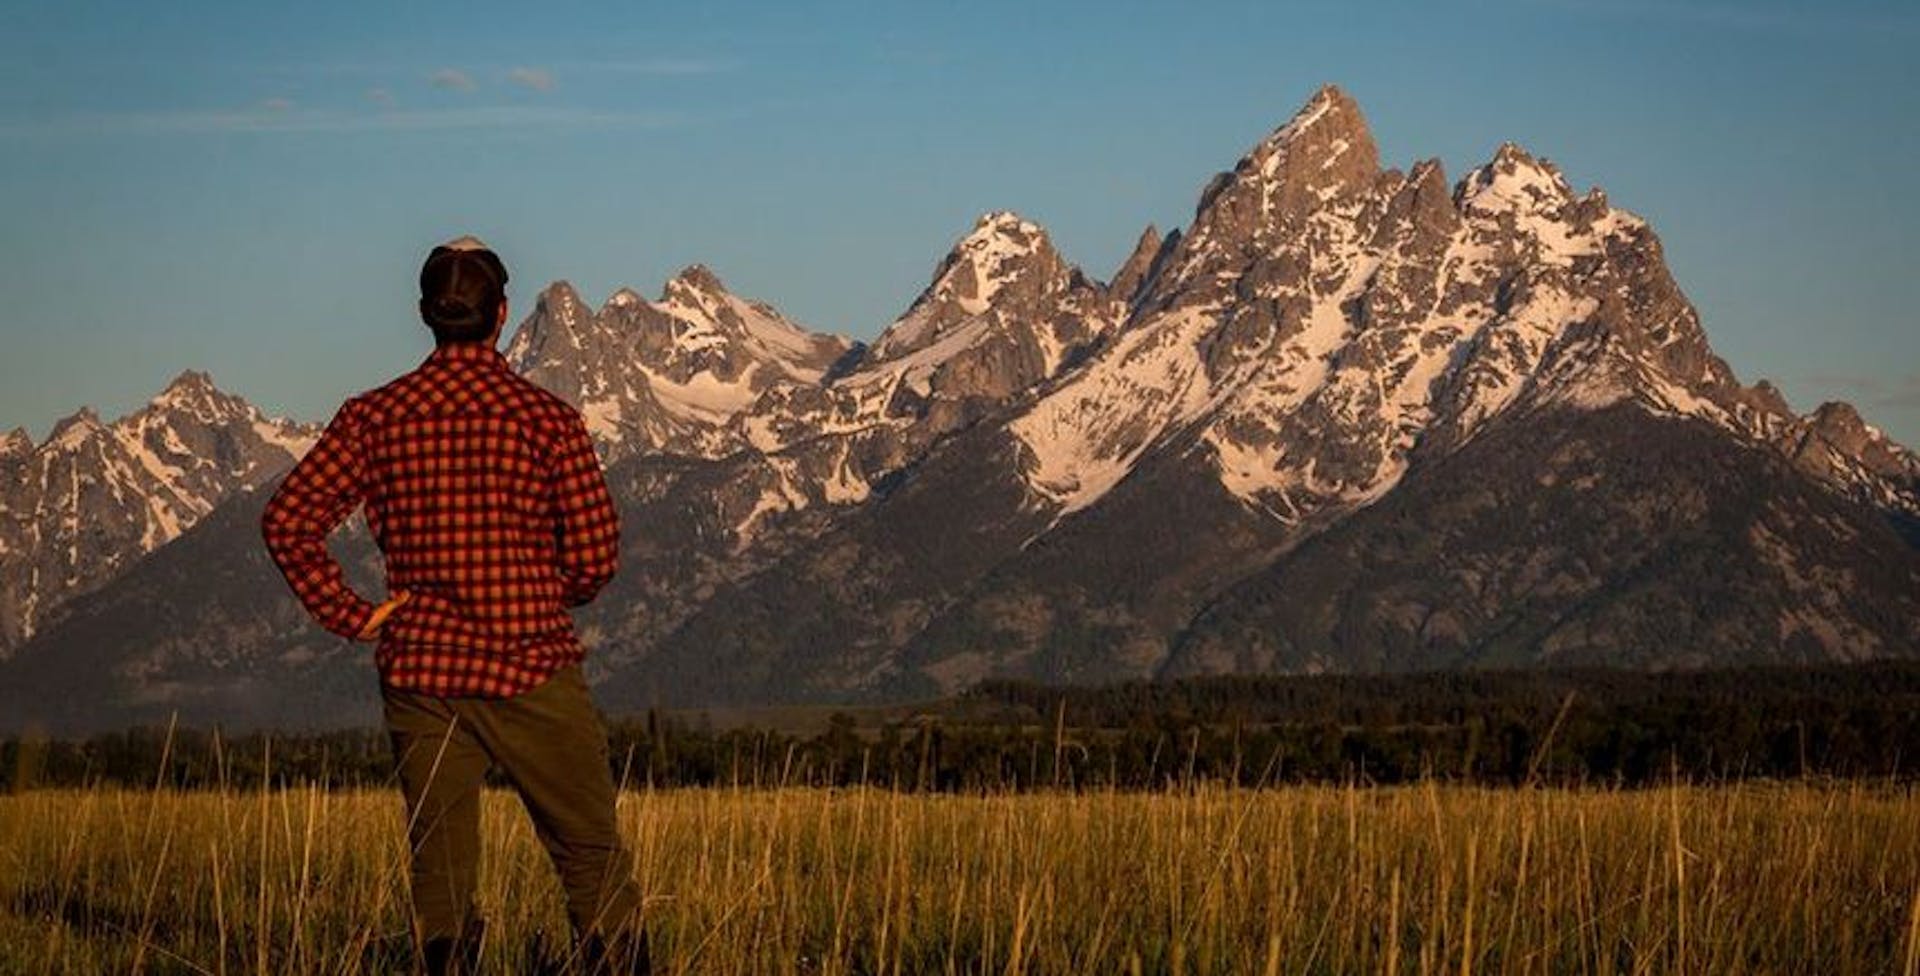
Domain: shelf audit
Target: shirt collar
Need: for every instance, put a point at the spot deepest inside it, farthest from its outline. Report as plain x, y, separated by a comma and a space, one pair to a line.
471, 352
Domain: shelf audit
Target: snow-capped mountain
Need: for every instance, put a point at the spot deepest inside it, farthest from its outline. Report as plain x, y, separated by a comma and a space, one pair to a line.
1349, 418
1324, 331
1325, 321
814, 419
82, 506
670, 376
1002, 314
1003, 310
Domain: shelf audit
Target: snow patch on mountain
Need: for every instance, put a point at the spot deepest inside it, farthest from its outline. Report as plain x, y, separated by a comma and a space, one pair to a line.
1084, 437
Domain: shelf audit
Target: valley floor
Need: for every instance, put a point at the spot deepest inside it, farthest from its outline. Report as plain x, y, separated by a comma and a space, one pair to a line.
1422, 879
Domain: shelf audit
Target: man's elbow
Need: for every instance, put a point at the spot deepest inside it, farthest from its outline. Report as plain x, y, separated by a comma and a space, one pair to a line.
583, 584
275, 532
590, 589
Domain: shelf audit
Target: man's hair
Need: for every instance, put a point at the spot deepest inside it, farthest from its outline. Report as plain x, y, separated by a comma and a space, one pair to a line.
461, 286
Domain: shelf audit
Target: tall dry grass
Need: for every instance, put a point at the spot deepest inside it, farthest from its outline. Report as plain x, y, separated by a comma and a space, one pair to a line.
1433, 879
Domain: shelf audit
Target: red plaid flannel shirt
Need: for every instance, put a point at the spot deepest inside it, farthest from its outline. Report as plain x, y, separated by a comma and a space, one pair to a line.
485, 494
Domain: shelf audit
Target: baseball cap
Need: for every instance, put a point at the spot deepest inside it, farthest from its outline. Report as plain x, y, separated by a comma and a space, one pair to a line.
461, 285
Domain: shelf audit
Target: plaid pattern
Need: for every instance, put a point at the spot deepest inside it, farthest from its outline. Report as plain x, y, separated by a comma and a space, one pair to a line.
485, 494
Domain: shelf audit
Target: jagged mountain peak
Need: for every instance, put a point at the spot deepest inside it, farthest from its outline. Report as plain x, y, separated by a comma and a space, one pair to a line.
1837, 446
194, 402
1429, 172
74, 428
558, 304
558, 290
1515, 179
15, 443
194, 392
623, 298
700, 301
1002, 247
697, 277
1323, 153
1769, 398
1330, 114
698, 297
998, 243
557, 312
1139, 265
1002, 223
1839, 423
1005, 262
1838, 415
1307, 181
190, 380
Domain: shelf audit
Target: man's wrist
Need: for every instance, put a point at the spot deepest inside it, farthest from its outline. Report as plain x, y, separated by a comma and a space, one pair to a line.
378, 618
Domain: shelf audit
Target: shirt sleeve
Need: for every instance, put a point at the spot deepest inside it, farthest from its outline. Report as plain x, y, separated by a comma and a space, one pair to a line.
316, 496
588, 525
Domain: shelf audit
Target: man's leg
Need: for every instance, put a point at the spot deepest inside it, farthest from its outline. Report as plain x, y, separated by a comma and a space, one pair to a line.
551, 743
441, 766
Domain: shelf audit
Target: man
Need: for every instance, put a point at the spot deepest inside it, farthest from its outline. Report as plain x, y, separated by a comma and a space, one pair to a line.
485, 495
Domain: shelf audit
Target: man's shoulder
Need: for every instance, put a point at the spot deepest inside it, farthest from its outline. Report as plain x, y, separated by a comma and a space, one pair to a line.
502, 390
537, 400
410, 385
385, 398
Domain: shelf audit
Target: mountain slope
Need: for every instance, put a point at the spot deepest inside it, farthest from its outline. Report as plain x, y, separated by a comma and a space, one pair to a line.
81, 507
1578, 537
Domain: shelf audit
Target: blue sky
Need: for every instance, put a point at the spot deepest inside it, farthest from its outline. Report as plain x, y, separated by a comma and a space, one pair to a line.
249, 190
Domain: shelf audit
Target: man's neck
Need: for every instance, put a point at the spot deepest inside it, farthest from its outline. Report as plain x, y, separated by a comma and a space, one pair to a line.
478, 349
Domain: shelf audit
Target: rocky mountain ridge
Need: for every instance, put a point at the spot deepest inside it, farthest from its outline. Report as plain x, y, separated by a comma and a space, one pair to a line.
1348, 418
95, 496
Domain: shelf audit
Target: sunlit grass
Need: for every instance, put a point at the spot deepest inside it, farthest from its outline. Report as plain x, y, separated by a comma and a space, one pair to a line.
1430, 879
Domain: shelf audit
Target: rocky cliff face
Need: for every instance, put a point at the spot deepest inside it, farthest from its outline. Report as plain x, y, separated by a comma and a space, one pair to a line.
1351, 417
1324, 323
81, 507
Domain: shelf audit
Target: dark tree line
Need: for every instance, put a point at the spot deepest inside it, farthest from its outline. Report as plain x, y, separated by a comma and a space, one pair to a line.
1546, 727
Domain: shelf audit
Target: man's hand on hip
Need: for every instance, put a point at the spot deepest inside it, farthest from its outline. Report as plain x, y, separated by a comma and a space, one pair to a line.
382, 612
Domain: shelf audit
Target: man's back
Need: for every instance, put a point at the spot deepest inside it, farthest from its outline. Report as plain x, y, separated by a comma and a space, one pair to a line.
485, 495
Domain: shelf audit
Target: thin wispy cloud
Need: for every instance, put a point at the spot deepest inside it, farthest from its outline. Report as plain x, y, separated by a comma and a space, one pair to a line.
1902, 391
277, 105
661, 66
267, 121
534, 79
1878, 389
1904, 394
381, 97
1744, 16
455, 77
452, 79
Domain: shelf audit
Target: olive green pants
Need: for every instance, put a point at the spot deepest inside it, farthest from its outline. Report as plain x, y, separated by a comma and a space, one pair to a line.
552, 746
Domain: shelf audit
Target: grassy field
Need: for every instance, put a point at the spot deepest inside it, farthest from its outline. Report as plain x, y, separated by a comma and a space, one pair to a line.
1432, 879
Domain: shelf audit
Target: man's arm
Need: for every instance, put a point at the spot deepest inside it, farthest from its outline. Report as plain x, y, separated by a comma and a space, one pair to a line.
320, 492
589, 526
